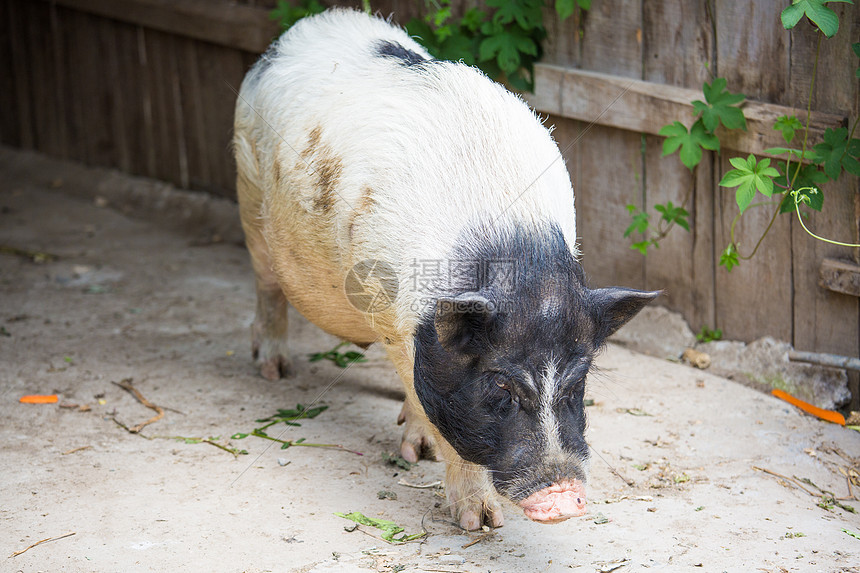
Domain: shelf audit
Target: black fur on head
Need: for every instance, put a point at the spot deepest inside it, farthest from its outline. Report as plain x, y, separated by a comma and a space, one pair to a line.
406, 57
501, 361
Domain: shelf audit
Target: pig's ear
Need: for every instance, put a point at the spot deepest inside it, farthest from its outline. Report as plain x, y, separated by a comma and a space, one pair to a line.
614, 306
459, 320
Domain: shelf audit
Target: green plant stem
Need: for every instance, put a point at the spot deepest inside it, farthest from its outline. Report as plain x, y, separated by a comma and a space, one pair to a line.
787, 165
797, 200
766, 231
292, 443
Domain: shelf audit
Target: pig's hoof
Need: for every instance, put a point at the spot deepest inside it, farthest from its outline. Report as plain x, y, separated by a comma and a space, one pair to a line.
271, 356
417, 441
276, 367
487, 513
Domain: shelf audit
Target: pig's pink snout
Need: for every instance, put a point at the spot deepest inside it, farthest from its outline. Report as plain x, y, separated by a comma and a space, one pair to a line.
555, 503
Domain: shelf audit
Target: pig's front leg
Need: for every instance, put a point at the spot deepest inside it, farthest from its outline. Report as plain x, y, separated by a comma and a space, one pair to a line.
471, 495
417, 439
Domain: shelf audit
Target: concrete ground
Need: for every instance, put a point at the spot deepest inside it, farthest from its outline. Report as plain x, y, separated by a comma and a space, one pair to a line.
140, 290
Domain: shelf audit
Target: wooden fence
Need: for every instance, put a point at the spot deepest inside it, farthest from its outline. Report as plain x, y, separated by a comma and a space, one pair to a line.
147, 86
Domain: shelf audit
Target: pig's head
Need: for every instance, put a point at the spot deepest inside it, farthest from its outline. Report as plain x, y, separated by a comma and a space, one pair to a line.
501, 371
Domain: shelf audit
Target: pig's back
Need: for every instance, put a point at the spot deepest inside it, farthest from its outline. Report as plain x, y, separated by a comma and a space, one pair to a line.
383, 153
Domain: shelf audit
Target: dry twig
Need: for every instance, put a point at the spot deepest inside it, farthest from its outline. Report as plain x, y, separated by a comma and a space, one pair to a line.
73, 450
478, 539
41, 542
125, 384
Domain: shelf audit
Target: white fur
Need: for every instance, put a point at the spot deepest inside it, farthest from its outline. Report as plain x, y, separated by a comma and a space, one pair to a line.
441, 148
552, 450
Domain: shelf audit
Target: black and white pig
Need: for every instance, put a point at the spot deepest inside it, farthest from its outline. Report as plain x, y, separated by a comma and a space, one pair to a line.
394, 198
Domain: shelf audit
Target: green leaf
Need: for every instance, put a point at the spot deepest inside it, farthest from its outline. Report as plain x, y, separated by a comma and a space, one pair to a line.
856, 48
690, 142
239, 436
834, 150
565, 8
472, 19
823, 17
721, 107
389, 528
641, 246
853, 534
809, 196
729, 258
795, 154
787, 125
640, 221
749, 176
507, 47
673, 214
286, 14
528, 14
806, 176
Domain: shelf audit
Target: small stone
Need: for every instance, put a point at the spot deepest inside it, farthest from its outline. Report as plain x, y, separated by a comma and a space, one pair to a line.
283, 461
452, 559
696, 358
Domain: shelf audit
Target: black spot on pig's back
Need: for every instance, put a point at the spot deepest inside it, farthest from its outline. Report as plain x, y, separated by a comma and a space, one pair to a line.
388, 49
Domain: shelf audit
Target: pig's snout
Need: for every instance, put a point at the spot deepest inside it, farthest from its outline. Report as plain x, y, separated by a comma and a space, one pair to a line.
555, 503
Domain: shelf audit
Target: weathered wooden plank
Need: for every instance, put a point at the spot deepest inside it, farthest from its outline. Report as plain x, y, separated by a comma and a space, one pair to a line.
610, 160
194, 117
221, 73
23, 90
96, 91
753, 49
754, 299
119, 137
840, 276
9, 121
678, 45
73, 26
58, 82
645, 107
159, 50
40, 69
825, 320
224, 23
562, 46
133, 122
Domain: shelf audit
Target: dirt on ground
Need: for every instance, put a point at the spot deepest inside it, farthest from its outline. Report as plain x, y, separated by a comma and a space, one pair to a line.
690, 471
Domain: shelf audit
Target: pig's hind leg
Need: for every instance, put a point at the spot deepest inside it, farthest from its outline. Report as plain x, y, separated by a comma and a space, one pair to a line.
269, 330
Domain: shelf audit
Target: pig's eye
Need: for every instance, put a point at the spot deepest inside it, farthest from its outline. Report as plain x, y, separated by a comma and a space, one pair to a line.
502, 394
576, 387
506, 387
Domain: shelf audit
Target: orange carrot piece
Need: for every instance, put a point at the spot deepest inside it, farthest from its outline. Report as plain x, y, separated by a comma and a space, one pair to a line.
829, 415
39, 399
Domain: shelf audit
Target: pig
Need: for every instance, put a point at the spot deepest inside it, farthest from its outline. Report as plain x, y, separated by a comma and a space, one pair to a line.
396, 199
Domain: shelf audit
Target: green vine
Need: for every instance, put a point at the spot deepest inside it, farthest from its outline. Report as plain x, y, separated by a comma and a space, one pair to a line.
502, 37
791, 183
